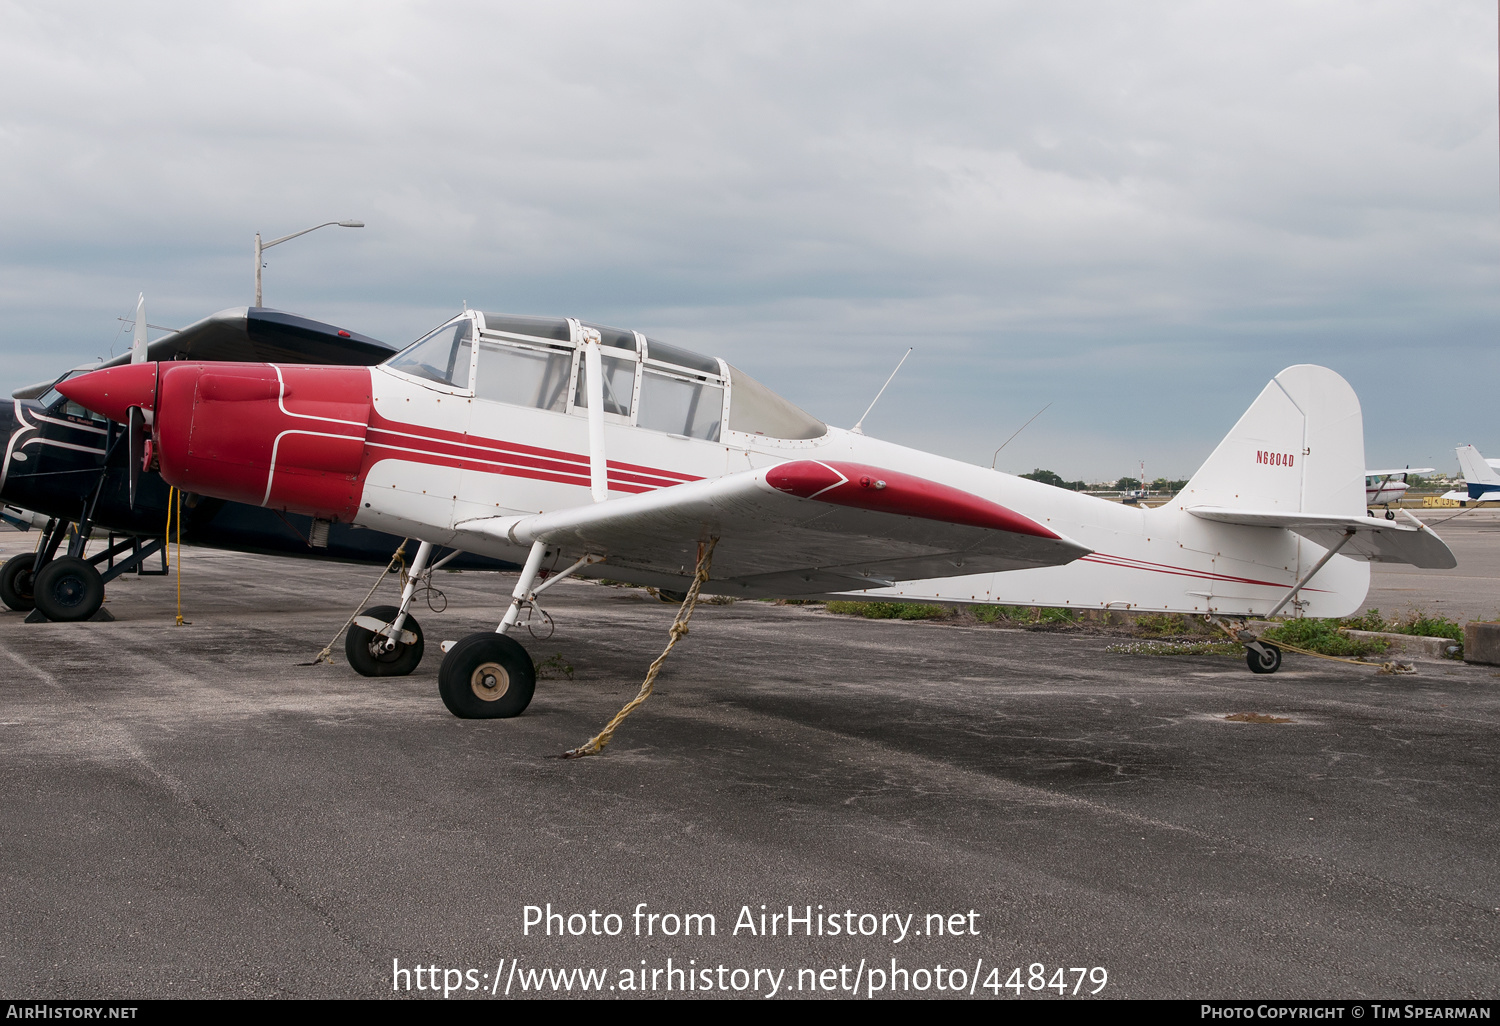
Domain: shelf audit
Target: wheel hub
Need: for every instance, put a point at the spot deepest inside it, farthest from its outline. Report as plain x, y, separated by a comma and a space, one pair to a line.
489, 681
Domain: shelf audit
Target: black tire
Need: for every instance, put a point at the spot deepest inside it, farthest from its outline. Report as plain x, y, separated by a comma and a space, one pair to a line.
368, 656
17, 583
68, 589
1390, 514
1268, 663
487, 676
1370, 511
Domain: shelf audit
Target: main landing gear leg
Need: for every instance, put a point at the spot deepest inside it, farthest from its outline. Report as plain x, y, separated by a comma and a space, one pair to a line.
386, 641
490, 676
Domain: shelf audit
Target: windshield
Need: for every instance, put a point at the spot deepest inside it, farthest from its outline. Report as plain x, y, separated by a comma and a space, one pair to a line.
442, 356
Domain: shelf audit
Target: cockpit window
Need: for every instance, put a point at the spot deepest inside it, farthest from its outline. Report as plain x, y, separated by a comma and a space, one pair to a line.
524, 376
681, 406
614, 337
554, 328
756, 410
443, 356
619, 385
681, 357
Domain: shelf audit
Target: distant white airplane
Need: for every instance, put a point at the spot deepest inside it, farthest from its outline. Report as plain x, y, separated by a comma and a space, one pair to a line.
1383, 487
1480, 477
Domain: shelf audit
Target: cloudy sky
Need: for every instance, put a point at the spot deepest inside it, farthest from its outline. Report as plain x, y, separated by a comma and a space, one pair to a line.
1136, 211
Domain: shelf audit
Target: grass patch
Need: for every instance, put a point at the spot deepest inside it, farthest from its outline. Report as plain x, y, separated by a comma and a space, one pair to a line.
891, 610
1178, 648
1324, 636
1022, 614
553, 667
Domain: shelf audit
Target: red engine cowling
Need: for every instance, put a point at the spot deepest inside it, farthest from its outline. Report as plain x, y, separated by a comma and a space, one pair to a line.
285, 436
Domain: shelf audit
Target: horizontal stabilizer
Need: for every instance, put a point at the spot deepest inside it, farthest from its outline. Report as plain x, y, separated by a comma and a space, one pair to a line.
803, 527
1463, 496
1375, 540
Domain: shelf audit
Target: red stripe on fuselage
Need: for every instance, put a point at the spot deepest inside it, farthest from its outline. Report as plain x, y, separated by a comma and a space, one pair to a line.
510, 459
1126, 563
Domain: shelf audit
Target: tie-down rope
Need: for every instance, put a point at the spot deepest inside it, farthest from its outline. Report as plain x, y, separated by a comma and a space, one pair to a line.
1389, 667
397, 560
595, 744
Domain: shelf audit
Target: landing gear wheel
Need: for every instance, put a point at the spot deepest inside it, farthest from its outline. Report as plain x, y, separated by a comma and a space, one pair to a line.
1370, 511
17, 583
486, 676
1270, 662
367, 653
68, 589
1390, 514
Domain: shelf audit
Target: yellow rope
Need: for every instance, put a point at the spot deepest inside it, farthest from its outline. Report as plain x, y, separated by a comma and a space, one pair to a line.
595, 744
397, 560
179, 495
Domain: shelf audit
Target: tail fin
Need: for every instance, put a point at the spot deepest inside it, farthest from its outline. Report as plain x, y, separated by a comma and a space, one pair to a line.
1477, 470
1299, 448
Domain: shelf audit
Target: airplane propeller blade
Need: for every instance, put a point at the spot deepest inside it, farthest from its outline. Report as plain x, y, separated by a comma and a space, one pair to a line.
136, 442
138, 343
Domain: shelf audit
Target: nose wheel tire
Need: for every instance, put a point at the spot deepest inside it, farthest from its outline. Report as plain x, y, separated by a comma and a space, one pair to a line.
18, 583
68, 589
487, 676
1266, 661
367, 653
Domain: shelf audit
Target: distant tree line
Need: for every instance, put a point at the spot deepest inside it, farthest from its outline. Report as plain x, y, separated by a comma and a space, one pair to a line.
1124, 484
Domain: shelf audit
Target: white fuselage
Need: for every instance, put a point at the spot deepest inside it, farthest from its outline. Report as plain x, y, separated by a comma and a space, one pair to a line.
451, 459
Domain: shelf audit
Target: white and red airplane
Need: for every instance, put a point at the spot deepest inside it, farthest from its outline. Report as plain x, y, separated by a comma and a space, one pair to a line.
572, 448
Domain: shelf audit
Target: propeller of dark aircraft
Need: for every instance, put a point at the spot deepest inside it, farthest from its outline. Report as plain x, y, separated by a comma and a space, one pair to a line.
136, 442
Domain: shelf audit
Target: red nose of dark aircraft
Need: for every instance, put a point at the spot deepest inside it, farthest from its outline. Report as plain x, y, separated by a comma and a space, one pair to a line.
113, 391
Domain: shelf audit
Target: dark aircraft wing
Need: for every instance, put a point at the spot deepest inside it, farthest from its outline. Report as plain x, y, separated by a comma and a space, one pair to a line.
255, 334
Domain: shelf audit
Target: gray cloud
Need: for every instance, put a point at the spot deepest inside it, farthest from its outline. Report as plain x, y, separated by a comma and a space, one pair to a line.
1139, 210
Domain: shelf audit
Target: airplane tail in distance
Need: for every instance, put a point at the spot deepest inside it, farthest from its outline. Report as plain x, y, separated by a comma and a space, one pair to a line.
1477, 470
1299, 448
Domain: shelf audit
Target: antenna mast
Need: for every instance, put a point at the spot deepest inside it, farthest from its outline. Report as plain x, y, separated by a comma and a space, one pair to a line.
858, 427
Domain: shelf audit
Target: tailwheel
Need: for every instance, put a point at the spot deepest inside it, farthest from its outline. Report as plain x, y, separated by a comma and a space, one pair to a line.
1262, 658
18, 583
487, 676
68, 589
372, 655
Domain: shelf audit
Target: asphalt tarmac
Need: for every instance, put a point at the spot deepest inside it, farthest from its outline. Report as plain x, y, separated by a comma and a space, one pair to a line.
188, 812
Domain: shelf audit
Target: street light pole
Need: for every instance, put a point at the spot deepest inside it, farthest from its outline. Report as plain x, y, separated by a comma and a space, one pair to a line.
261, 247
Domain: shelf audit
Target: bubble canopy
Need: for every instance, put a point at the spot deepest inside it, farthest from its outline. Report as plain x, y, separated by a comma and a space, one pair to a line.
534, 361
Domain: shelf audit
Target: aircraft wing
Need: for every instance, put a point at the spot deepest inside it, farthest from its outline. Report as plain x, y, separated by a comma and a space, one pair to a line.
799, 528
1464, 496
1402, 470
1375, 540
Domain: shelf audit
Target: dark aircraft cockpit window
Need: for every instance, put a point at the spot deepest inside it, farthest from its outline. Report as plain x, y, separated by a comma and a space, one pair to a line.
756, 410
442, 356
681, 406
524, 376
554, 328
619, 385
73, 411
